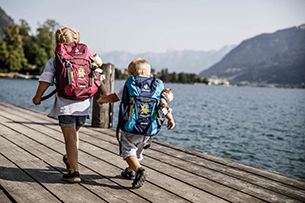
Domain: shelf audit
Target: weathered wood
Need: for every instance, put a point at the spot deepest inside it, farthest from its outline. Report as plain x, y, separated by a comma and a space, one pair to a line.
18, 183
45, 175
176, 174
92, 180
3, 196
110, 170
102, 114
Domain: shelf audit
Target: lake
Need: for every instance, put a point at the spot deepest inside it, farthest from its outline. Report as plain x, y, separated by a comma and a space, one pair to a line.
264, 127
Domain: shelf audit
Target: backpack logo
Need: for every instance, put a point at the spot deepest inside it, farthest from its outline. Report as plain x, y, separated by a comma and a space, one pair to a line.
145, 88
81, 72
144, 110
77, 52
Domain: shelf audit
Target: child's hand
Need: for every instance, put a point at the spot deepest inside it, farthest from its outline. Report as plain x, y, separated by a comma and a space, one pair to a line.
170, 124
36, 100
95, 58
100, 100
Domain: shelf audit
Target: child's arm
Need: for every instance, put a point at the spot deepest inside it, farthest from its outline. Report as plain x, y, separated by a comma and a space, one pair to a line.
43, 86
111, 98
103, 89
170, 121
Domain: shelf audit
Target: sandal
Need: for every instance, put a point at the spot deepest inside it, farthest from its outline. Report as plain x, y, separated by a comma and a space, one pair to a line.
140, 179
72, 177
65, 160
128, 175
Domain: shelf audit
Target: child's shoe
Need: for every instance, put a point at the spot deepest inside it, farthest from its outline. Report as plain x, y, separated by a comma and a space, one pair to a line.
72, 177
128, 175
65, 158
140, 179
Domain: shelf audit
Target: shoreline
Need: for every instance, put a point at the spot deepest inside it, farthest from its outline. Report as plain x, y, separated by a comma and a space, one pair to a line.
287, 86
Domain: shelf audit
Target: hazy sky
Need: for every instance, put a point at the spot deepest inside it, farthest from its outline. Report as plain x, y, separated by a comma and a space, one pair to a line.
159, 25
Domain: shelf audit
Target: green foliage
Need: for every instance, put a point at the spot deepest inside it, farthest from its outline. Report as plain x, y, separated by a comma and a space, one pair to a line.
205, 80
165, 76
121, 75
20, 51
178, 78
11, 54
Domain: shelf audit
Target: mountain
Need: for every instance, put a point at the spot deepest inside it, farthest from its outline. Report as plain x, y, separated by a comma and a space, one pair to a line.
5, 21
276, 58
187, 61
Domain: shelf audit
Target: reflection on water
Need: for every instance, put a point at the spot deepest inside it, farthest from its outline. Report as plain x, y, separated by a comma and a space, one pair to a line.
258, 126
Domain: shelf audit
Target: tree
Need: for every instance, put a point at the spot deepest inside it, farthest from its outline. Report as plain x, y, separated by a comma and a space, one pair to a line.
182, 78
174, 77
205, 80
11, 50
27, 45
20, 51
44, 44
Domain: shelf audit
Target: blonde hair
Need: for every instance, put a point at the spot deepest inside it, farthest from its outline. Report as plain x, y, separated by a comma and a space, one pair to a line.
139, 67
66, 34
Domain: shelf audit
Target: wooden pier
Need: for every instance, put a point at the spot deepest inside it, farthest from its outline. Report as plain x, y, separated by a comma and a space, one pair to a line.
31, 167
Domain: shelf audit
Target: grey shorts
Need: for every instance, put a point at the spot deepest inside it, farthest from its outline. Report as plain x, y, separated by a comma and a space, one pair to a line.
69, 121
132, 145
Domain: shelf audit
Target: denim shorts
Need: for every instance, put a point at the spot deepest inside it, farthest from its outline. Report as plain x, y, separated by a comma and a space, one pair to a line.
69, 121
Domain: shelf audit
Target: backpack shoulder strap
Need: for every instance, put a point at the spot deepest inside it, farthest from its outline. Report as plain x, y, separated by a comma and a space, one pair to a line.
159, 88
119, 139
48, 96
131, 84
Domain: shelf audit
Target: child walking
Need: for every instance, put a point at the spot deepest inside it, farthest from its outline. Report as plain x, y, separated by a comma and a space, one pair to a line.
71, 113
132, 145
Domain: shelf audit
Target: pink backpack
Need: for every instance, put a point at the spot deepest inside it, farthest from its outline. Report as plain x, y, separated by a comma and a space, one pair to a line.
74, 72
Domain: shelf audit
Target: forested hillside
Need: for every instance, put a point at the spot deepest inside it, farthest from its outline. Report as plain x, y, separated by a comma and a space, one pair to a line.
276, 58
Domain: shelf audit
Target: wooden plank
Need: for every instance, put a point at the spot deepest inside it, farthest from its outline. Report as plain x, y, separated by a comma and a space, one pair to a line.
221, 174
54, 158
199, 182
197, 179
197, 192
91, 180
46, 175
3, 196
255, 190
18, 183
194, 156
237, 176
204, 159
110, 171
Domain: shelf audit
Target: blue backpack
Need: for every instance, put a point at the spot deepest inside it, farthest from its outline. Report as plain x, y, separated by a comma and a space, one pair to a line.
140, 111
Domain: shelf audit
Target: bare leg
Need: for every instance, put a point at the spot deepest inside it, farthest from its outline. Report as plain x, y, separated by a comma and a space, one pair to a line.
71, 142
133, 163
77, 137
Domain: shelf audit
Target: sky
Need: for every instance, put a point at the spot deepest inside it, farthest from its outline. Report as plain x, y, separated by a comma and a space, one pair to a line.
158, 26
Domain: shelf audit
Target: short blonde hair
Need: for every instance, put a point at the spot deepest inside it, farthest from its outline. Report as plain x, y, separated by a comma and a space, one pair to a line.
66, 34
139, 67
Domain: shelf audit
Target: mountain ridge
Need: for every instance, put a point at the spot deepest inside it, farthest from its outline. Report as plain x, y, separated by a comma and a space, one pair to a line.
5, 21
188, 61
277, 57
